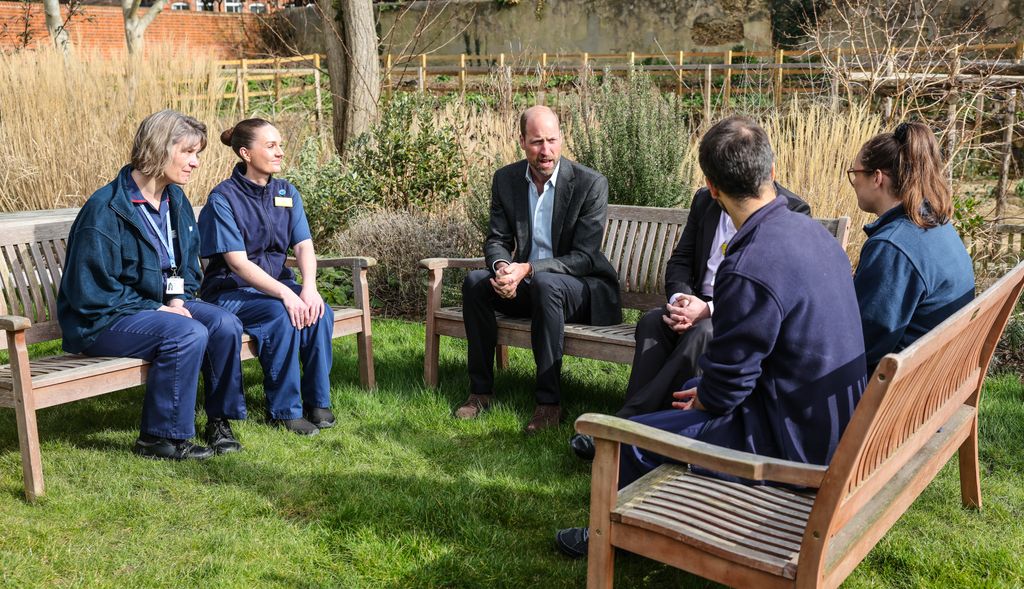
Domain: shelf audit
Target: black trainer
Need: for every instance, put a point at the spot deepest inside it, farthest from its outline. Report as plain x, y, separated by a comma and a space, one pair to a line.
322, 417
168, 449
583, 446
573, 542
220, 437
299, 426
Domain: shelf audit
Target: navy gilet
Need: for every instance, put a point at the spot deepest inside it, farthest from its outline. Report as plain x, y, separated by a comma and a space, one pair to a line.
265, 230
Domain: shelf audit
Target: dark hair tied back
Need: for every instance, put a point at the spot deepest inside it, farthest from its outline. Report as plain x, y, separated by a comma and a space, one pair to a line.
911, 157
243, 134
900, 134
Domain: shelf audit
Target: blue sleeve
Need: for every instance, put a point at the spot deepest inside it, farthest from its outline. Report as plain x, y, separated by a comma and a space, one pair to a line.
299, 230
889, 290
746, 323
218, 232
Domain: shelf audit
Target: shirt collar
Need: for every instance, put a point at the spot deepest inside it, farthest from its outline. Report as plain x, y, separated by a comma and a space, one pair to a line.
553, 180
884, 219
135, 193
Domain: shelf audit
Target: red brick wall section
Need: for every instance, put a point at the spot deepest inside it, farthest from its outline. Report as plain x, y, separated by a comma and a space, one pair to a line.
101, 28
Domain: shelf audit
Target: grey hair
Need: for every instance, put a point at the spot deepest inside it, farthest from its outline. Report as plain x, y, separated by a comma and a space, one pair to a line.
156, 137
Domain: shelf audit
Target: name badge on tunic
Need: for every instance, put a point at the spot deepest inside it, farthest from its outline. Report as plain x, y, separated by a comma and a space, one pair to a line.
175, 285
282, 201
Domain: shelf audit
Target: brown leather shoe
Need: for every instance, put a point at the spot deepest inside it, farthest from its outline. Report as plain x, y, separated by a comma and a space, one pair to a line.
474, 406
544, 416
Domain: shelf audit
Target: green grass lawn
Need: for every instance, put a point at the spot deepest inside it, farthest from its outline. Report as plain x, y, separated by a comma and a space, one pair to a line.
400, 495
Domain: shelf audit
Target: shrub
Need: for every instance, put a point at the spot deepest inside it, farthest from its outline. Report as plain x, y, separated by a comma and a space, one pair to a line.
638, 138
321, 183
406, 161
399, 240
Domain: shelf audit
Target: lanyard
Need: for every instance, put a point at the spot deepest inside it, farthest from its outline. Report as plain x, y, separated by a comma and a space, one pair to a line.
169, 244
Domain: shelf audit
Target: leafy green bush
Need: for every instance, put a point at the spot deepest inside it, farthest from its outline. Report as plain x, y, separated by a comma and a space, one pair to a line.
320, 182
637, 137
399, 240
406, 161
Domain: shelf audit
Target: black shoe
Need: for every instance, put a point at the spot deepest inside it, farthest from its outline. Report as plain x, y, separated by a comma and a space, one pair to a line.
321, 417
299, 426
583, 446
220, 437
573, 542
168, 449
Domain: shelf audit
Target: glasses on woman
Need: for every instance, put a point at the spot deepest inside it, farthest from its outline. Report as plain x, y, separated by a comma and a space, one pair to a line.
851, 173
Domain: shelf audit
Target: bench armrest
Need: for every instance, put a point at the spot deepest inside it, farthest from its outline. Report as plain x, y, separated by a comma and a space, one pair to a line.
355, 261
14, 323
440, 263
709, 456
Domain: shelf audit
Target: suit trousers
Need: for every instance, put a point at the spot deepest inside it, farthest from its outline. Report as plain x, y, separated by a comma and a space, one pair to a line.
662, 362
548, 299
178, 348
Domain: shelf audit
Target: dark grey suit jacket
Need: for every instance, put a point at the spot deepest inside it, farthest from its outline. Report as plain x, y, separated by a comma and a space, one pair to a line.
689, 262
577, 227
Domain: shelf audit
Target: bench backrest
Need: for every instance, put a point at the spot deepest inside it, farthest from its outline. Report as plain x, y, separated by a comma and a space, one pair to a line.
31, 266
638, 241
908, 399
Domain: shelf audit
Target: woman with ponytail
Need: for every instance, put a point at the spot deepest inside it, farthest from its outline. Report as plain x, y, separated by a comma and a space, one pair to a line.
914, 271
249, 223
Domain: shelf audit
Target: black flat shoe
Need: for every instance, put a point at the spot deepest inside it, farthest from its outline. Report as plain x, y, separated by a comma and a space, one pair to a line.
583, 446
168, 449
298, 426
220, 437
322, 417
573, 542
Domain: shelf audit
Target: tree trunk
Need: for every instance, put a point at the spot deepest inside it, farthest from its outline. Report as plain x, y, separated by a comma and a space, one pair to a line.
55, 24
352, 61
135, 24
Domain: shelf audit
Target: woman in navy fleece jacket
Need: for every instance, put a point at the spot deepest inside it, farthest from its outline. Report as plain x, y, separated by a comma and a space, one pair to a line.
914, 271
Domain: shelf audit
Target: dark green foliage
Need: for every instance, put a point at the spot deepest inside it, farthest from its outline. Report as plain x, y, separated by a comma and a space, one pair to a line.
406, 161
637, 137
320, 182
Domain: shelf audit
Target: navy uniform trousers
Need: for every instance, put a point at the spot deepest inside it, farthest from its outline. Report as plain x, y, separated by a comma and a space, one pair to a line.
548, 299
178, 348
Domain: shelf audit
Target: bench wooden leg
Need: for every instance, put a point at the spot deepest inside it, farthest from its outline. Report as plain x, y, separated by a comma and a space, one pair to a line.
501, 357
25, 410
432, 348
603, 492
367, 376
970, 481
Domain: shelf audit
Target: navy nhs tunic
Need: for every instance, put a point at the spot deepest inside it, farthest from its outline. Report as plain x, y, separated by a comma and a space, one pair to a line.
786, 366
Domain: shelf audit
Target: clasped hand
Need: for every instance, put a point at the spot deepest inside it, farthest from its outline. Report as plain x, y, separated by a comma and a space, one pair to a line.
304, 309
686, 400
686, 311
507, 278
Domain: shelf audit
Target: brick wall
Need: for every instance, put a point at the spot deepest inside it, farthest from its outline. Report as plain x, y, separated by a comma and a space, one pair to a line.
101, 28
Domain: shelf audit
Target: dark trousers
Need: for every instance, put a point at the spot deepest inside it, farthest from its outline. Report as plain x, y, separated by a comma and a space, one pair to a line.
178, 347
662, 362
296, 362
548, 299
635, 462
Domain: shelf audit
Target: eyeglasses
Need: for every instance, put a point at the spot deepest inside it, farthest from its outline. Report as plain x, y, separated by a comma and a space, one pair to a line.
850, 174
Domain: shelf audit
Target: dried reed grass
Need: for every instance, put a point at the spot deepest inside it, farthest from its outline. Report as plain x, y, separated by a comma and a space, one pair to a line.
67, 126
814, 146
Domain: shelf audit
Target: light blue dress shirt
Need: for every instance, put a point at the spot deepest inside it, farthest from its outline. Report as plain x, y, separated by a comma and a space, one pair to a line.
542, 207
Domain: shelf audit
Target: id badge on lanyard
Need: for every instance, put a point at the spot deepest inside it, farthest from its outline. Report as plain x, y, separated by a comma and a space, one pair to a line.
175, 284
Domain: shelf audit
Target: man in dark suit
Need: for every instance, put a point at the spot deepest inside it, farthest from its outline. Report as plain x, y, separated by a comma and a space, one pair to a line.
669, 340
544, 261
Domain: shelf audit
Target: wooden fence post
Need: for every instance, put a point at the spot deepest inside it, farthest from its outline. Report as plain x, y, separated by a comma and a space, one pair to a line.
319, 101
835, 78
952, 102
679, 76
462, 73
388, 66
243, 90
543, 69
727, 83
778, 77
1009, 122
422, 73
707, 93
277, 81
890, 69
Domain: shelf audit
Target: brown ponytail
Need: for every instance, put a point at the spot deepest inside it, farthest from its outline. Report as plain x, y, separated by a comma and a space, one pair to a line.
910, 156
243, 134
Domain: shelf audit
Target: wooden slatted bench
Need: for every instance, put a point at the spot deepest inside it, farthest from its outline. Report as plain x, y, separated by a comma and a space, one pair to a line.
920, 408
638, 242
31, 265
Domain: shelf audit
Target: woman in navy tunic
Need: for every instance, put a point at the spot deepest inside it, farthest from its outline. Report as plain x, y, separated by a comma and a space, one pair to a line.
129, 290
248, 225
914, 271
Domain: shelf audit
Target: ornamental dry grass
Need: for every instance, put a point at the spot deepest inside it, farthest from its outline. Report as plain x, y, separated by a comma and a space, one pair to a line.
66, 126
